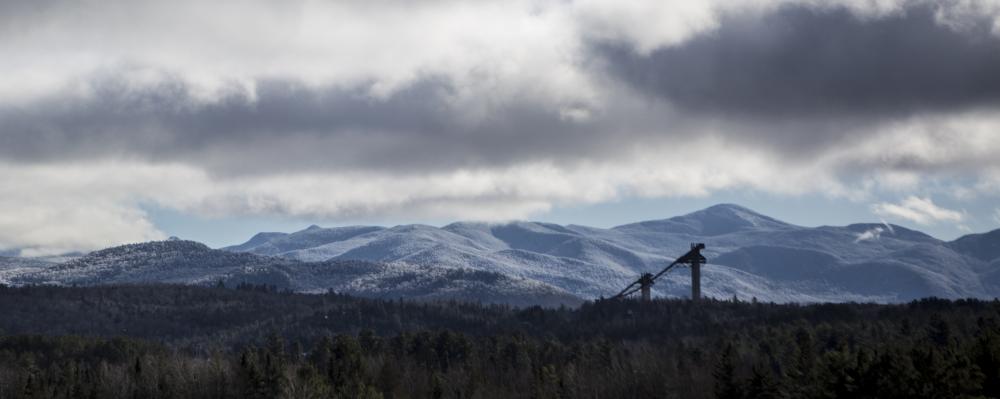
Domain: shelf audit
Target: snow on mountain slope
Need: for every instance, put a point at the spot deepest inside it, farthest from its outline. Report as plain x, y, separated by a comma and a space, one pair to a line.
780, 263
257, 240
985, 247
991, 276
9, 262
712, 221
12, 266
492, 248
726, 282
313, 236
426, 282
557, 255
750, 255
188, 262
174, 261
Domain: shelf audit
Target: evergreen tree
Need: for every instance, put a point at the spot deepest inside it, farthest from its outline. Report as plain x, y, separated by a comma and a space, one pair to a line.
762, 385
727, 385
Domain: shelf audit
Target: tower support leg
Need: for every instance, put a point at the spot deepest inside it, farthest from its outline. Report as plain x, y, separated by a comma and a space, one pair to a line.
645, 293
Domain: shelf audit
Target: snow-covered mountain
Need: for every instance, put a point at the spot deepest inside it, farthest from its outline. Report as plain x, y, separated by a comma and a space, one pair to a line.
189, 262
985, 247
13, 266
11, 262
750, 255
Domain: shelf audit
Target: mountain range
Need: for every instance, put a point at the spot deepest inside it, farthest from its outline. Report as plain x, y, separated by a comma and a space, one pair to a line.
750, 256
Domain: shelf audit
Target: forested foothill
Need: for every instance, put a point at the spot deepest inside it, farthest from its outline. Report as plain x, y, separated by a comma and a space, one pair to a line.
166, 341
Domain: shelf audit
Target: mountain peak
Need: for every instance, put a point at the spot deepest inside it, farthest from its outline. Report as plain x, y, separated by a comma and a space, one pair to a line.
257, 240
714, 220
728, 218
728, 207
984, 246
313, 227
142, 250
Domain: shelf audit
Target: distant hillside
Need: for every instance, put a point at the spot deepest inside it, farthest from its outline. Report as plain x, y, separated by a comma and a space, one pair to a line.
14, 266
188, 262
9, 262
985, 247
750, 255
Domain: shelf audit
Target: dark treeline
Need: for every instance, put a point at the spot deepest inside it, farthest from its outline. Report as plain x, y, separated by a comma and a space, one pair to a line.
199, 342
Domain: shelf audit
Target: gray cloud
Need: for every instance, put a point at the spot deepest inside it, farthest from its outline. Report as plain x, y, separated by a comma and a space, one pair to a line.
795, 80
807, 62
284, 124
370, 110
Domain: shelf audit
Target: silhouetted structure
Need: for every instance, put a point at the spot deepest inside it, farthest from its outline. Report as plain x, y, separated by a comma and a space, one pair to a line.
692, 258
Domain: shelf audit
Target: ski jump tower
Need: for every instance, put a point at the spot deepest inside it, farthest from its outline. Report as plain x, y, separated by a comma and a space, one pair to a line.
692, 258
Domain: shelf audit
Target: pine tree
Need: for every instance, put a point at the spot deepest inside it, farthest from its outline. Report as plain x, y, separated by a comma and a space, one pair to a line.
727, 385
762, 385
986, 355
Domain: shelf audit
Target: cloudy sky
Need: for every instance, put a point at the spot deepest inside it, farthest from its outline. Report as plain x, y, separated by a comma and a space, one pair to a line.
124, 121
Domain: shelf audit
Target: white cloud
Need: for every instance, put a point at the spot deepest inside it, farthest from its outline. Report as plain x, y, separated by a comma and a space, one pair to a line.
996, 215
647, 24
58, 207
871, 234
494, 53
84, 205
50, 210
875, 233
521, 47
493, 48
888, 226
918, 210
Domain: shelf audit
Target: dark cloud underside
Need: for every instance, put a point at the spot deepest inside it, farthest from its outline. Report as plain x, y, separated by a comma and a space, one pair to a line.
288, 125
797, 82
802, 61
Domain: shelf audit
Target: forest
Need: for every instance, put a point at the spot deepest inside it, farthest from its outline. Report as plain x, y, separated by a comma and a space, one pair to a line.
165, 341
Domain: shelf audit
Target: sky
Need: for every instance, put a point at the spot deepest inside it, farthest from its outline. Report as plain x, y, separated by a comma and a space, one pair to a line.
127, 121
